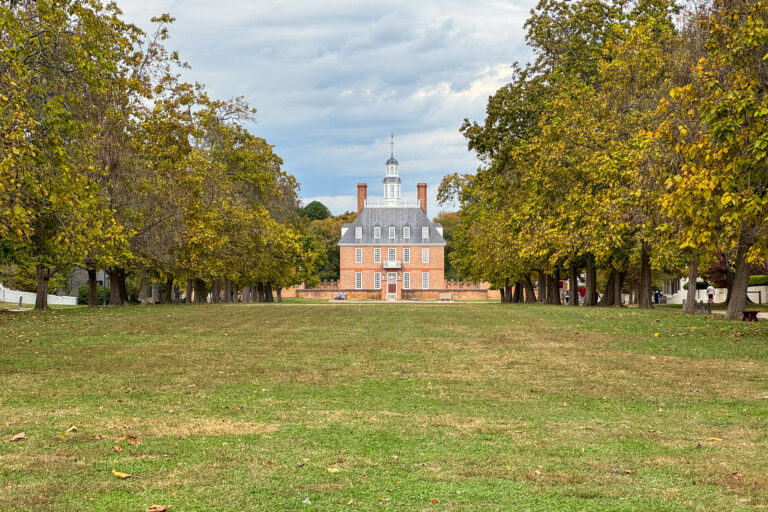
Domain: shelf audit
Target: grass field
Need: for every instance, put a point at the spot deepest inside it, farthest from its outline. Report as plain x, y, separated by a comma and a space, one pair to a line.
315, 407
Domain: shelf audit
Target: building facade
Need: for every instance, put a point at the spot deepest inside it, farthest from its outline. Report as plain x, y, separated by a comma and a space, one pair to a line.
392, 250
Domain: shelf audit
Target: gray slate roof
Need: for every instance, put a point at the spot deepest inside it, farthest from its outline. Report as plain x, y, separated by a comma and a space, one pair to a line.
368, 218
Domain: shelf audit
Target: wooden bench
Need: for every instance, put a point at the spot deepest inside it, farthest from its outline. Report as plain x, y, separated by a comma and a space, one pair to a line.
445, 297
749, 316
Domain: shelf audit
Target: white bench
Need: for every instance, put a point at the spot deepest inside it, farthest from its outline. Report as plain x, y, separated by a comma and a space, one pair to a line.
445, 297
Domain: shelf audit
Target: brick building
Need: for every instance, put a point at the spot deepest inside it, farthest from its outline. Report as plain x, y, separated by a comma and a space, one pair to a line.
392, 250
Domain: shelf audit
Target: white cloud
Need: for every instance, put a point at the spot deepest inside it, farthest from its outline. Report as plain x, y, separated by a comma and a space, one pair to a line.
331, 79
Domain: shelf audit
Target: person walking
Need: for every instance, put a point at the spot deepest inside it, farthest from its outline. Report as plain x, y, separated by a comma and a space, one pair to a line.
711, 293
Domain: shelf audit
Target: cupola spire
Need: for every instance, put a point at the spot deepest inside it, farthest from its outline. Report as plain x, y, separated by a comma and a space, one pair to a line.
392, 178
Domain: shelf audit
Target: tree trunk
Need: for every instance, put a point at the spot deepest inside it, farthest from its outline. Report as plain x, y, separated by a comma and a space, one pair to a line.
644, 285
573, 285
227, 291
740, 281
117, 293
200, 292
618, 285
553, 288
542, 288
43, 276
609, 293
93, 288
530, 293
143, 287
168, 289
216, 291
517, 297
590, 299
188, 298
690, 296
261, 291
279, 293
268, 296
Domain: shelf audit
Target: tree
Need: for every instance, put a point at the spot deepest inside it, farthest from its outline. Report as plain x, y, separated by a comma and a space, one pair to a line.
315, 211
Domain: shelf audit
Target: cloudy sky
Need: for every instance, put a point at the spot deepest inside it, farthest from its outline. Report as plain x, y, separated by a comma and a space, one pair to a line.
332, 78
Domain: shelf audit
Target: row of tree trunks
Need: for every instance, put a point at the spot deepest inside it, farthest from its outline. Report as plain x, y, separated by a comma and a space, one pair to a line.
644, 283
608, 295
590, 298
530, 293
227, 291
168, 297
143, 287
553, 288
517, 295
188, 295
573, 285
216, 291
201, 293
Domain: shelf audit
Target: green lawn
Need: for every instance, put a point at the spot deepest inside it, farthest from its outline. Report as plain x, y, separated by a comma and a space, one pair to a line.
382, 406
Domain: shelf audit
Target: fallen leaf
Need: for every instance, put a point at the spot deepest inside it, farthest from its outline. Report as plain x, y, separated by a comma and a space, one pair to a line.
71, 428
120, 439
332, 470
121, 475
306, 501
300, 465
737, 474
133, 441
715, 439
629, 471
117, 448
350, 501
28, 340
435, 500
536, 473
656, 335
19, 437
158, 508
62, 436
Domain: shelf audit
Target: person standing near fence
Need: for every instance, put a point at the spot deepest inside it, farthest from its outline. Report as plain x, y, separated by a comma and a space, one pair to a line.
711, 293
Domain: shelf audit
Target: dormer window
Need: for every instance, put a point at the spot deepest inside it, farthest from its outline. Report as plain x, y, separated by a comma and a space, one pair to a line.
377, 232
425, 232
407, 232
391, 232
359, 232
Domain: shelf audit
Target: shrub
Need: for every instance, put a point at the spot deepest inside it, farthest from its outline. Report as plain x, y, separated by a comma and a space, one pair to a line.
700, 285
758, 280
101, 292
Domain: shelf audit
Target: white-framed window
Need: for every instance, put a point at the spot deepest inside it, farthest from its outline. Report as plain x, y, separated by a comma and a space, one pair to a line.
406, 254
377, 280
407, 232
391, 232
358, 254
391, 254
358, 232
377, 232
425, 280
425, 254
358, 280
424, 232
377, 254
406, 280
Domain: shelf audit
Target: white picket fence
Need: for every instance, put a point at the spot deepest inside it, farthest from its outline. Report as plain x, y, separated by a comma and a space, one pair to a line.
8, 295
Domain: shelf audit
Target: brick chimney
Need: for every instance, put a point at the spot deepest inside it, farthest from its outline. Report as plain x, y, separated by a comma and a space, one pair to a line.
362, 195
421, 194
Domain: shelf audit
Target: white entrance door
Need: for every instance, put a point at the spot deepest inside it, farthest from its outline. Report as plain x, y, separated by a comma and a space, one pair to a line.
391, 285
